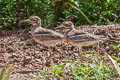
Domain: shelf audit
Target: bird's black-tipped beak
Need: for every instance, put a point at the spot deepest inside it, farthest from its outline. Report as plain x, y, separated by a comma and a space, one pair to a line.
59, 27
24, 21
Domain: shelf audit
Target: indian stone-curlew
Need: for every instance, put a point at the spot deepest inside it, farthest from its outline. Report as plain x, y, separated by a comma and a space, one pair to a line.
41, 35
78, 37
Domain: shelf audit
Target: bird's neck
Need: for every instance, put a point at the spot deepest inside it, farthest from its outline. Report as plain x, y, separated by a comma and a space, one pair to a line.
34, 28
68, 31
73, 27
36, 25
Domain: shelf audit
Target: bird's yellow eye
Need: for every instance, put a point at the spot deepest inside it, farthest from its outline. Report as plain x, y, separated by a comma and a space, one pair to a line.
67, 25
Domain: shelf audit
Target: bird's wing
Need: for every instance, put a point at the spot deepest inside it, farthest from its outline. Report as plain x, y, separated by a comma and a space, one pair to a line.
79, 36
45, 34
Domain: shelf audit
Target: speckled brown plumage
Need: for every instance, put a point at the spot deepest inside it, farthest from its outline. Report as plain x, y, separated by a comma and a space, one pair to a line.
41, 35
112, 32
78, 37
109, 31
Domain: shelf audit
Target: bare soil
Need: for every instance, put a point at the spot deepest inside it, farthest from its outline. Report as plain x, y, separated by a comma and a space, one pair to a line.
28, 56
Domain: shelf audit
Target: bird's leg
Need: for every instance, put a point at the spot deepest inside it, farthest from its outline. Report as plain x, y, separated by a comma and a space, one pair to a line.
50, 49
80, 48
32, 41
98, 47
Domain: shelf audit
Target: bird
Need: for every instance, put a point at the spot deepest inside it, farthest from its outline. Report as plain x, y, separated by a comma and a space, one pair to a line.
41, 35
85, 28
77, 37
111, 32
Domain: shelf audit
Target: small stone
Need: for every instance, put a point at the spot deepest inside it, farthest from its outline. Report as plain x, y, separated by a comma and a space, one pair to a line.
37, 60
10, 49
15, 55
27, 60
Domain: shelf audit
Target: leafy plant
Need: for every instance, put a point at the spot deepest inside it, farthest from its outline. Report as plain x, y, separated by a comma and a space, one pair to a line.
56, 71
5, 75
85, 68
85, 71
52, 12
41, 75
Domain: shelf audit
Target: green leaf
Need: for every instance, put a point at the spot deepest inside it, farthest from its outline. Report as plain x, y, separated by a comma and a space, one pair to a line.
119, 64
1, 27
1, 1
82, 78
61, 65
2, 74
52, 71
53, 65
108, 1
9, 71
60, 71
105, 57
118, 60
13, 0
58, 76
114, 57
76, 3
114, 46
119, 49
38, 78
93, 66
31, 77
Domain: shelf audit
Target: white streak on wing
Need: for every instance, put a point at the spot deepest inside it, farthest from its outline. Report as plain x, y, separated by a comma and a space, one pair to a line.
81, 38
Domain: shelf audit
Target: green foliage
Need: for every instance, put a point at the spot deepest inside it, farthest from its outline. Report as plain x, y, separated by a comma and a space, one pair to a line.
12, 11
52, 11
80, 71
41, 75
5, 75
88, 69
115, 46
56, 71
98, 11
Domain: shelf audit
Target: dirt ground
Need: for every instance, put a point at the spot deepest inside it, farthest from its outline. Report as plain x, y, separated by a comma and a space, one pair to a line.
28, 56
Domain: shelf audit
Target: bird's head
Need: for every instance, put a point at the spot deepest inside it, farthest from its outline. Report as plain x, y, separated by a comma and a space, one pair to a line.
34, 20
66, 25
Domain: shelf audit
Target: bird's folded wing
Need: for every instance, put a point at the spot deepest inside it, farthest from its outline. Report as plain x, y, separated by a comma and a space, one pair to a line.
80, 37
48, 35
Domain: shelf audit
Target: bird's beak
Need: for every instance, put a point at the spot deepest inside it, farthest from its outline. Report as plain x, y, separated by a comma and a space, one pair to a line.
59, 27
24, 21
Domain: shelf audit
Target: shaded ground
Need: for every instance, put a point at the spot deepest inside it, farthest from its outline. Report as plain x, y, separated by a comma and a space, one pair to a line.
27, 55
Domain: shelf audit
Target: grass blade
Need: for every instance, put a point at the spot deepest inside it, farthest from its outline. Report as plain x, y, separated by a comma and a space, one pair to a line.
2, 74
77, 8
9, 71
115, 64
